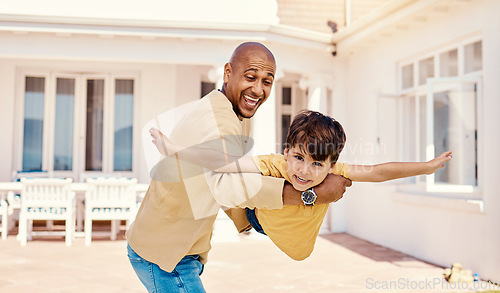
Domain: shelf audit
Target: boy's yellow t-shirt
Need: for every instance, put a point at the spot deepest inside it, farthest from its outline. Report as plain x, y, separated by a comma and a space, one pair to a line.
294, 228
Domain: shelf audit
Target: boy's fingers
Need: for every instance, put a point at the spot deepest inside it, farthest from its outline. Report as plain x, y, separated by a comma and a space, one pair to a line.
446, 154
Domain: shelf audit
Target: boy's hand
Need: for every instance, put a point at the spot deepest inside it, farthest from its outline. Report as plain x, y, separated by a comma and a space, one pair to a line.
160, 140
438, 162
331, 189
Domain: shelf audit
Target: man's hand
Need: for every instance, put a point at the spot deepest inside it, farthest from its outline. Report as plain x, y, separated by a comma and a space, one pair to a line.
330, 190
162, 143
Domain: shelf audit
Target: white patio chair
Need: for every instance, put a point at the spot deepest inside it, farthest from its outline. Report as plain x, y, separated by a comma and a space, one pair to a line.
80, 202
47, 199
14, 200
109, 199
4, 212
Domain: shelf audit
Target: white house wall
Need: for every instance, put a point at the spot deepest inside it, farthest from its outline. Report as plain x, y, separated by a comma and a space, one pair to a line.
441, 231
189, 11
169, 70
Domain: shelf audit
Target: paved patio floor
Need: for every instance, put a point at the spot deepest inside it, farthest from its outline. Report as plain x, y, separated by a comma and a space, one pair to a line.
237, 263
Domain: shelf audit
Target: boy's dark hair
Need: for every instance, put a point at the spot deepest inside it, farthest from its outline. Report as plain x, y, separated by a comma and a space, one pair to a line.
316, 134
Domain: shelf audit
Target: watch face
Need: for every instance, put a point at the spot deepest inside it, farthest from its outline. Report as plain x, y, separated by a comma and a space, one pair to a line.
308, 197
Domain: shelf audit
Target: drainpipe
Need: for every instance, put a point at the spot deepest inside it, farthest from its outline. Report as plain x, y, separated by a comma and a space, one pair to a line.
347, 13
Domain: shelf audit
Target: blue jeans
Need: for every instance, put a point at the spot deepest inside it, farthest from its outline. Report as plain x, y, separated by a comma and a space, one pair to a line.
185, 278
252, 219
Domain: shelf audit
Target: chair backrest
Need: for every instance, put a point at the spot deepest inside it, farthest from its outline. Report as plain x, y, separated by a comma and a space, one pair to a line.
17, 175
46, 192
96, 174
116, 192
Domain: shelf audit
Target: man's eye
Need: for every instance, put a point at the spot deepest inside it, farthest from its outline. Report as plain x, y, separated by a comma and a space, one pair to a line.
268, 82
250, 77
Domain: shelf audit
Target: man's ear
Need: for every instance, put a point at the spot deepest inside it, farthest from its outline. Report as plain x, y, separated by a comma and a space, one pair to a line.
227, 72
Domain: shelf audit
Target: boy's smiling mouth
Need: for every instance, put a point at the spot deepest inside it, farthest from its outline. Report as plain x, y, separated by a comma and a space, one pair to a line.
301, 180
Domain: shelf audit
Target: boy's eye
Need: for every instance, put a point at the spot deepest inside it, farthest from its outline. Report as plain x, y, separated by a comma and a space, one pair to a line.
318, 164
299, 158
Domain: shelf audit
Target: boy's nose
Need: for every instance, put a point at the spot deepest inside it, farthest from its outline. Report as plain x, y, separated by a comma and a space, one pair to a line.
304, 169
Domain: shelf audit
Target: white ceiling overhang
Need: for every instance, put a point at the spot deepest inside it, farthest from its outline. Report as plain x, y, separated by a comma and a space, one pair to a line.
391, 19
152, 29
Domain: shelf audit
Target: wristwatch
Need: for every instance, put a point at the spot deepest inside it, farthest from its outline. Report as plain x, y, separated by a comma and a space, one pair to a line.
309, 197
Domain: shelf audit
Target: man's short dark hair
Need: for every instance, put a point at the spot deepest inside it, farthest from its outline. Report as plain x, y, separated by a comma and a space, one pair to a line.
316, 134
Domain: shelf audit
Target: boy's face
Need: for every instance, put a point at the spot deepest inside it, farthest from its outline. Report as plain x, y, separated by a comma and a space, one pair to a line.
305, 172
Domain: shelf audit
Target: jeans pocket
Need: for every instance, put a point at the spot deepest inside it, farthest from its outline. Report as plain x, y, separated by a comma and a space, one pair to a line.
190, 263
133, 256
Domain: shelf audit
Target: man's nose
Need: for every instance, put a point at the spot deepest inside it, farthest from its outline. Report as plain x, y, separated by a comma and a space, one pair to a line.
257, 89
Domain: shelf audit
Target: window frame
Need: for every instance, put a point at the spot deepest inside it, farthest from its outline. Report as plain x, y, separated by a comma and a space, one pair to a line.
431, 185
422, 92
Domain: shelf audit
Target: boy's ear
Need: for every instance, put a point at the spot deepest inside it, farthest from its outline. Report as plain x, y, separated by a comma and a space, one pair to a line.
285, 153
332, 168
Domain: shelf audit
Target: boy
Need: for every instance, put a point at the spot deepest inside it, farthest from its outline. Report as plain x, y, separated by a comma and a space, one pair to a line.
313, 145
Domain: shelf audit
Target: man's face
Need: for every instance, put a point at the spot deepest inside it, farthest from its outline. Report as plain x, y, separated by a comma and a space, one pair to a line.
249, 80
305, 172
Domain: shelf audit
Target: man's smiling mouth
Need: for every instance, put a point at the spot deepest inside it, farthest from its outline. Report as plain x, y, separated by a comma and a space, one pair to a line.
251, 102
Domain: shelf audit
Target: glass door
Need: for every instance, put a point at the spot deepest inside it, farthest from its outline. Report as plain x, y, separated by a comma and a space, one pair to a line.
62, 148
76, 123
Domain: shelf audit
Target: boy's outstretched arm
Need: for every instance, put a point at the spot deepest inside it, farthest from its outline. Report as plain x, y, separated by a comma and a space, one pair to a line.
205, 157
395, 170
330, 190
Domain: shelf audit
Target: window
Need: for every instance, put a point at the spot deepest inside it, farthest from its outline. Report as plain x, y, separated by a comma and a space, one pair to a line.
425, 69
34, 97
473, 57
64, 124
123, 128
453, 126
286, 114
287, 96
449, 63
290, 99
286, 120
95, 117
441, 114
407, 76
206, 88
73, 123
408, 123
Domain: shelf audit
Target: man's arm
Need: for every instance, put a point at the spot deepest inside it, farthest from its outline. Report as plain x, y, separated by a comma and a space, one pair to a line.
395, 170
212, 159
216, 160
330, 190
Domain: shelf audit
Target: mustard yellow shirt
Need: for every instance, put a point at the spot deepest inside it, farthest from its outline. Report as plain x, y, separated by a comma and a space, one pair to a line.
294, 228
177, 214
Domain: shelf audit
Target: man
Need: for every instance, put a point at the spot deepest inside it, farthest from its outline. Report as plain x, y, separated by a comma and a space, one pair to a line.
170, 238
